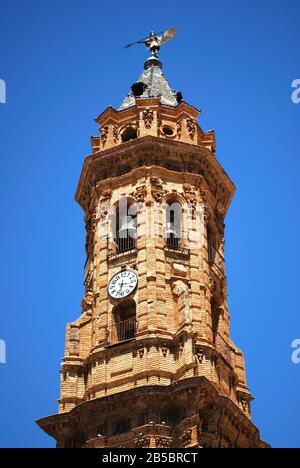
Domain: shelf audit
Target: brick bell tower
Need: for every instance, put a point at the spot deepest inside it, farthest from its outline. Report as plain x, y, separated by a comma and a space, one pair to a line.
150, 362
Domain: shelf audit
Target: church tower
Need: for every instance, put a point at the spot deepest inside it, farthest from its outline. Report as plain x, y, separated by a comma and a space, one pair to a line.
150, 363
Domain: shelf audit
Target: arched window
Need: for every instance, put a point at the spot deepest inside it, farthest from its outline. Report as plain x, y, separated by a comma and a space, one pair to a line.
125, 321
173, 224
125, 226
130, 133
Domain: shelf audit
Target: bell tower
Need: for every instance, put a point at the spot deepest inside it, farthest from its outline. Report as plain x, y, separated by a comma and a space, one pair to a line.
150, 362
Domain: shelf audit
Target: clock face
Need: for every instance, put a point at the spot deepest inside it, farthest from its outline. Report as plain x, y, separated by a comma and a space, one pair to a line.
122, 284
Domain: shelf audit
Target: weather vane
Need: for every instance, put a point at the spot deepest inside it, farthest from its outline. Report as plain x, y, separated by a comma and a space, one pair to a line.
154, 41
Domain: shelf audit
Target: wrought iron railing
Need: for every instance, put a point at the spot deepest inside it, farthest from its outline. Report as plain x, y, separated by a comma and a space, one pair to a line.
124, 244
215, 258
173, 242
121, 331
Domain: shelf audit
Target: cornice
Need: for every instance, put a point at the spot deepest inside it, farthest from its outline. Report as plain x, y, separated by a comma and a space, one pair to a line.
201, 384
183, 106
201, 160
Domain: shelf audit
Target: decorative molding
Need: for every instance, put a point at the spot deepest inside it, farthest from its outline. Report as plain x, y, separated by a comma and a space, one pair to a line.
179, 128
191, 126
164, 349
186, 437
142, 441
115, 131
104, 133
163, 442
148, 117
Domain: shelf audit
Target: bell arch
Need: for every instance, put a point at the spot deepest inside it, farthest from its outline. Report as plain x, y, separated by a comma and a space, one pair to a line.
173, 221
123, 224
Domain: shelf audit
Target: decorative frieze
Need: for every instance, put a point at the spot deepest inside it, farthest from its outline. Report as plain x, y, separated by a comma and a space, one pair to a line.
142, 441
163, 442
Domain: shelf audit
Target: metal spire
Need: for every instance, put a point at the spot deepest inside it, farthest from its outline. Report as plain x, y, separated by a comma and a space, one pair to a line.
152, 82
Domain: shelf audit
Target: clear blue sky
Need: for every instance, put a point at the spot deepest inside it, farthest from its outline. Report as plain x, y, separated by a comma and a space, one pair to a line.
63, 64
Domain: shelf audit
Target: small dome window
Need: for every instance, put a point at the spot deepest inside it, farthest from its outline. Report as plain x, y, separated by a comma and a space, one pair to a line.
129, 133
168, 131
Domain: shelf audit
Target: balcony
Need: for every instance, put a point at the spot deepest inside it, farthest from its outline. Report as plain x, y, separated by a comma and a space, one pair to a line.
126, 235
172, 236
216, 259
121, 331
125, 244
173, 243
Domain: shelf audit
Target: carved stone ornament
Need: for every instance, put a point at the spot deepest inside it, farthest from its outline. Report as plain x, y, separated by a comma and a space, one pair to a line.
140, 194
200, 355
244, 403
141, 351
180, 348
163, 442
158, 195
115, 133
191, 197
187, 188
156, 182
148, 117
88, 298
186, 437
103, 211
191, 127
205, 212
164, 349
142, 442
203, 198
104, 133
179, 128
105, 196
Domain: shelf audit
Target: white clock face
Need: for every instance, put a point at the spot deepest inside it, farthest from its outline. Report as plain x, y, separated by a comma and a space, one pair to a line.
122, 284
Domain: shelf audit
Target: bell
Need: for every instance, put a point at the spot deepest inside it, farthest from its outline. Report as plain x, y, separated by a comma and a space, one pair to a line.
170, 231
128, 227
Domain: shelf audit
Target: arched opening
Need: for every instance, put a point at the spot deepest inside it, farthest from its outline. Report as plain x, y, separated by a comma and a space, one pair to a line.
125, 321
129, 133
126, 222
173, 224
168, 131
138, 88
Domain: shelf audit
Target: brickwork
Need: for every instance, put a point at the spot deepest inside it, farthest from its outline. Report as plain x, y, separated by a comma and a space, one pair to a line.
180, 381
